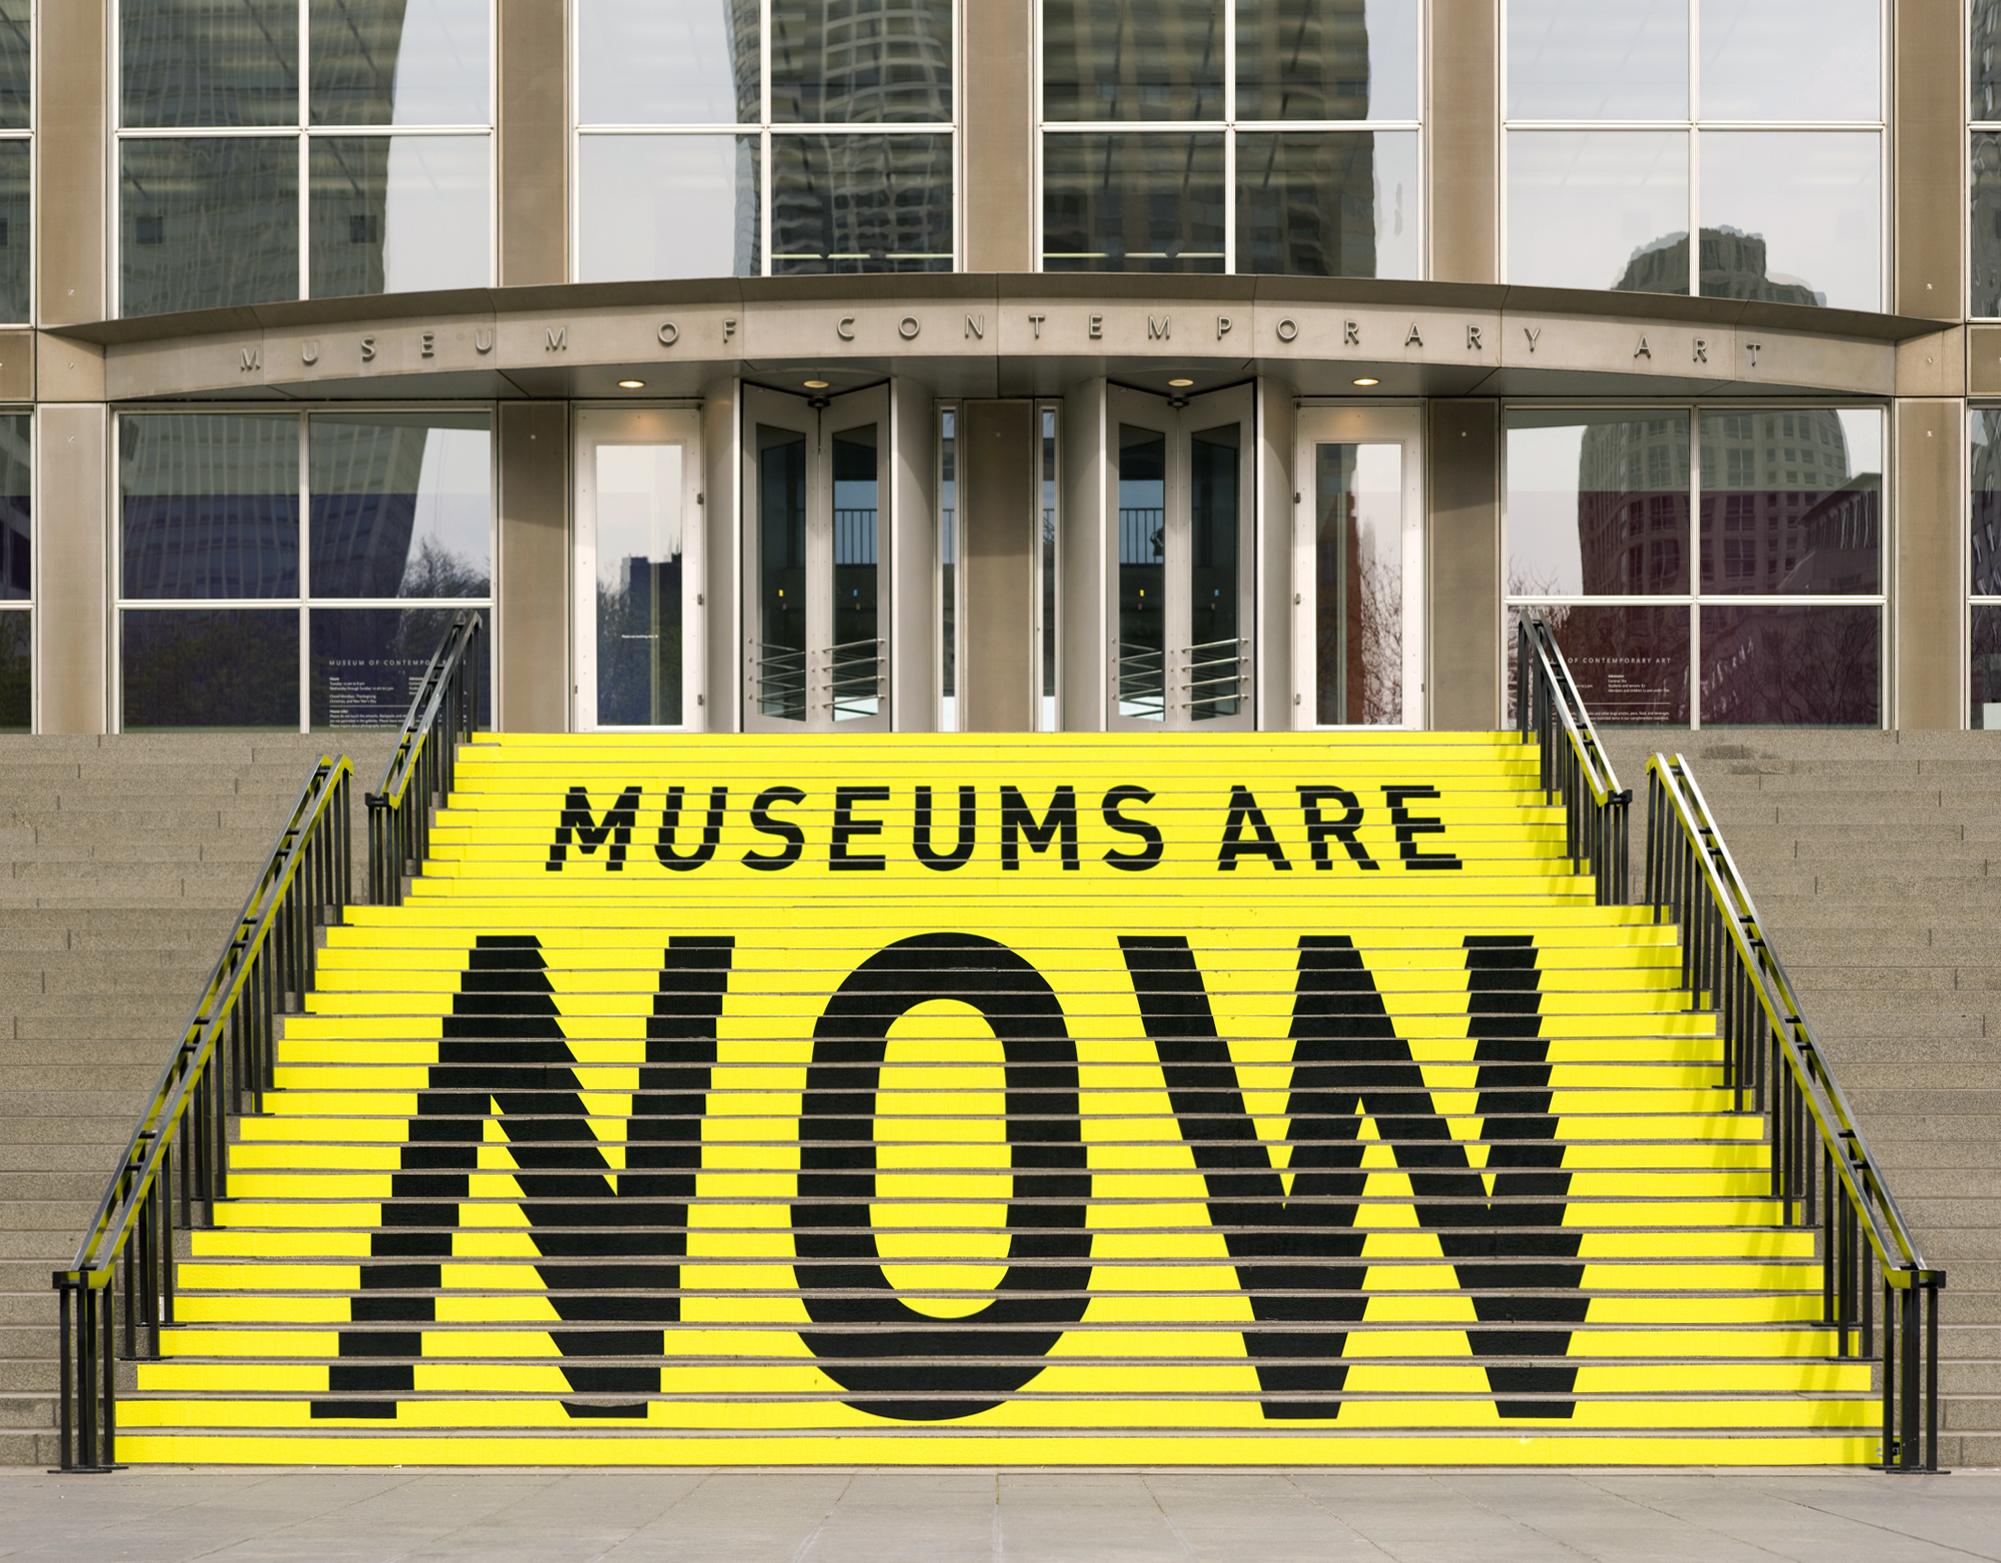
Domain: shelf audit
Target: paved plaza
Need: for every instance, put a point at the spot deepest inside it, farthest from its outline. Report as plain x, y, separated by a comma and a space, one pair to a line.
165, 1516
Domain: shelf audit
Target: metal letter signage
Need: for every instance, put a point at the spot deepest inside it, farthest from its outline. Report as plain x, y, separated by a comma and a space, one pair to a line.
556, 339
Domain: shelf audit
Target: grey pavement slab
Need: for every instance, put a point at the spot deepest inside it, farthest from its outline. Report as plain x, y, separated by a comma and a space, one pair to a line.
1023, 1516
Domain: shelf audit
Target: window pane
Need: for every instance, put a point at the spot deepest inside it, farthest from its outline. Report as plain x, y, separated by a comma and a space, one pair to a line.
16, 534
667, 206
1597, 503
209, 63
399, 214
1328, 205
1142, 586
402, 504
1792, 502
861, 203
1598, 59
643, 63
1630, 663
368, 663
948, 564
16, 19
400, 62
1792, 59
1985, 436
215, 667
1218, 649
1985, 295
1327, 59
1132, 59
1792, 667
1794, 217
15, 233
16, 671
209, 505
1132, 202
1986, 702
642, 544
855, 661
208, 223
868, 62
1599, 209
1049, 544
780, 654
1358, 584
1985, 54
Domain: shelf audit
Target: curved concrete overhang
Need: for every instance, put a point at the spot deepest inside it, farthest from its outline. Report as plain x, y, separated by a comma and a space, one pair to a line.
999, 335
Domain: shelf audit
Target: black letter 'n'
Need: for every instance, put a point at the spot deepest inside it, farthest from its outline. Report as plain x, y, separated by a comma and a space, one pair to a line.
610, 1261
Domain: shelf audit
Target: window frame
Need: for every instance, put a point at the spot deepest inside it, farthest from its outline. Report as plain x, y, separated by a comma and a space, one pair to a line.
1695, 599
765, 131
1228, 126
304, 132
303, 602
1693, 127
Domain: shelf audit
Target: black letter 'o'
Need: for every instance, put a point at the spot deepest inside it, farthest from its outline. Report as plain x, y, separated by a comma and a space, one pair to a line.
875, 1343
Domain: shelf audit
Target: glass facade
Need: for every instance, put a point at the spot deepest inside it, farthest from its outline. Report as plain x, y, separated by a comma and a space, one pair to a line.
691, 163
269, 150
1304, 159
275, 564
1723, 565
1632, 124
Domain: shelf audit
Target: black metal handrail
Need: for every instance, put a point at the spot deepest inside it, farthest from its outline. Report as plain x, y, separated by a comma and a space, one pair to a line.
222, 1066
1575, 768
426, 756
1823, 1172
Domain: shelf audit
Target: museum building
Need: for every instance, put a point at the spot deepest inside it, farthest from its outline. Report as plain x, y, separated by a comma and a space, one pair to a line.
996, 365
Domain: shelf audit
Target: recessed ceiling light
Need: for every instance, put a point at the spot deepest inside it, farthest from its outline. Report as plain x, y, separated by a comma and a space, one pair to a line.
632, 385
1368, 380
1181, 385
815, 385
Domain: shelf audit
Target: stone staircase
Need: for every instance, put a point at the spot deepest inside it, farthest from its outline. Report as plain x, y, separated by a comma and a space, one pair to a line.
1875, 858
123, 862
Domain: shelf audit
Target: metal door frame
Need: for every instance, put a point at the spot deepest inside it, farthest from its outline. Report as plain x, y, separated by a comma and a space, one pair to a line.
591, 428
1348, 424
819, 419
1179, 420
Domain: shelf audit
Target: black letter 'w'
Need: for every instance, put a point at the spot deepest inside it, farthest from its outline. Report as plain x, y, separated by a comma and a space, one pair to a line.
614, 1257
1299, 1256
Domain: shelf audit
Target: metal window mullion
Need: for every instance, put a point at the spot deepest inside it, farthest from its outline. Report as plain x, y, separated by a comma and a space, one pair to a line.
767, 167
305, 156
1230, 137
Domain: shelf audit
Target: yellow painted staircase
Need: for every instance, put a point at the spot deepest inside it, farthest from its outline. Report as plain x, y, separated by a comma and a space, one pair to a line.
1082, 1099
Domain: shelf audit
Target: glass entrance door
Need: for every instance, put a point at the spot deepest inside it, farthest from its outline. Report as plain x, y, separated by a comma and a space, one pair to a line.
1179, 566
639, 551
1357, 563
816, 552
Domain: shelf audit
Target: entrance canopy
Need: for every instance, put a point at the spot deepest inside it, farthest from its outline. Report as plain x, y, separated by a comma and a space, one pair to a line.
1003, 335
